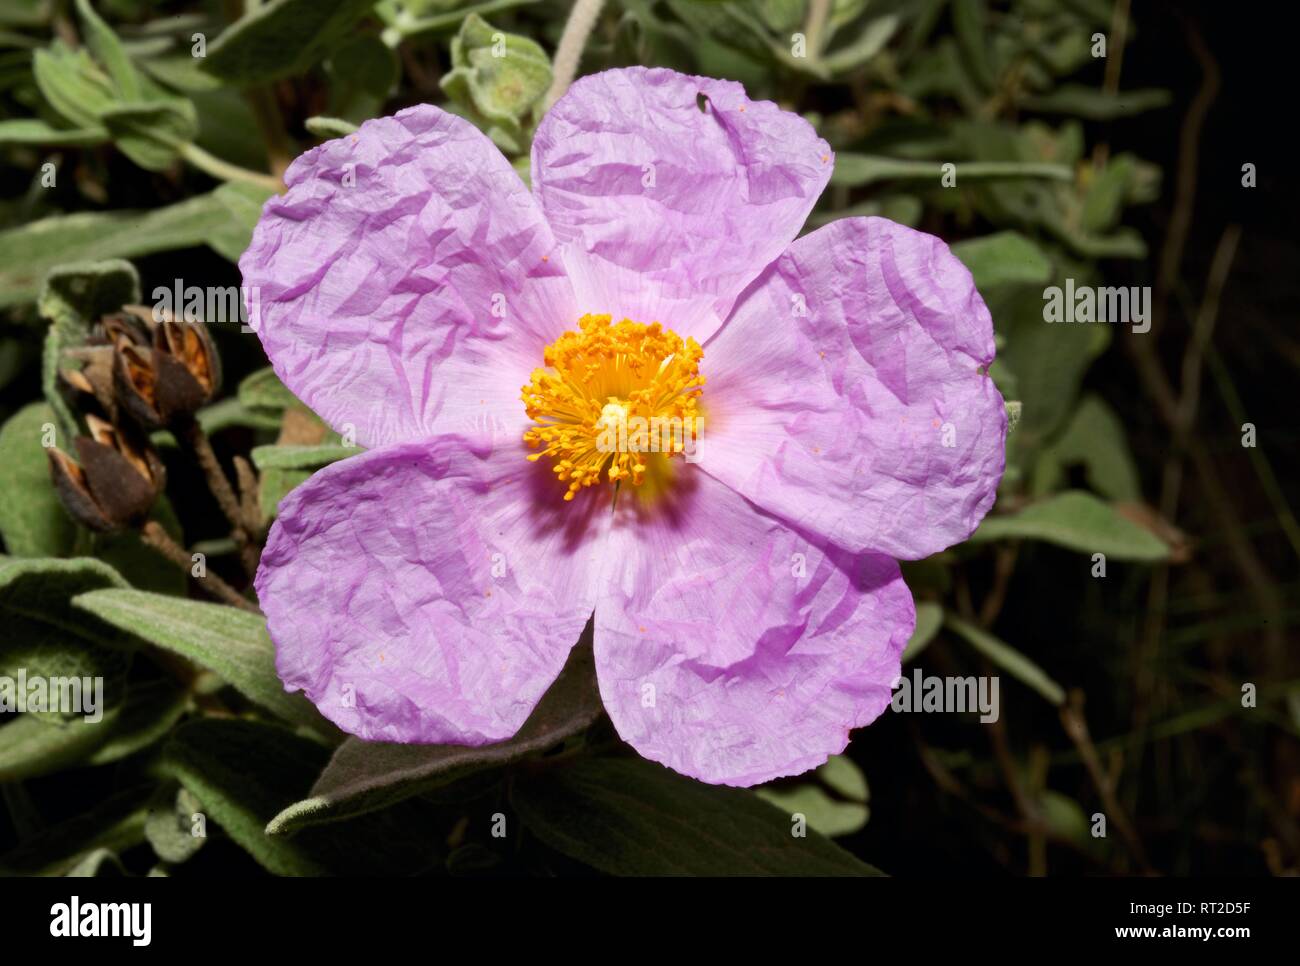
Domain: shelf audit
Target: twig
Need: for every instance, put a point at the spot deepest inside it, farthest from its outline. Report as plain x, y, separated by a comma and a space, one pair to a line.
214, 166
248, 487
582, 19
1189, 140
192, 435
1203, 326
1184, 416
1076, 727
819, 14
155, 536
1114, 64
1263, 469
1004, 564
266, 112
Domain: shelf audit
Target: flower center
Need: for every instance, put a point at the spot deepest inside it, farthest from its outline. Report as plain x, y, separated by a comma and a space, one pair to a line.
612, 398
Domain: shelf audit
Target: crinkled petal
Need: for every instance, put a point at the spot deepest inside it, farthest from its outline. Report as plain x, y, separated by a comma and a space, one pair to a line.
848, 392
406, 283
429, 592
734, 649
670, 208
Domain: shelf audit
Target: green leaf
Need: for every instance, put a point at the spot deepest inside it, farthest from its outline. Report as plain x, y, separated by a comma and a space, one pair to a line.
1049, 361
231, 643
44, 638
108, 50
364, 776
264, 390
231, 412
929, 618
1096, 439
72, 298
151, 134
1104, 202
116, 823
99, 863
1004, 258
275, 485
404, 21
855, 170
180, 71
42, 634
1066, 818
33, 131
29, 252
1077, 521
634, 817
243, 202
300, 457
363, 72
902, 208
970, 24
148, 714
25, 13
833, 798
73, 84
280, 38
30, 747
1008, 658
32, 521
225, 118
244, 772
170, 825
327, 128
868, 44
1095, 104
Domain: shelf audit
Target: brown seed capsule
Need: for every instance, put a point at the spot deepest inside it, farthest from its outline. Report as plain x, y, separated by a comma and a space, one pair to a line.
181, 371
91, 386
133, 384
116, 483
74, 493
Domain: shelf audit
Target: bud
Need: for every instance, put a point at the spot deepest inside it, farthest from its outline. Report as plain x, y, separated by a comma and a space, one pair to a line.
159, 384
116, 483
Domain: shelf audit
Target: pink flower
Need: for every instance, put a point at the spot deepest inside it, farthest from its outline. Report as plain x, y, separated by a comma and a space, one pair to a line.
748, 610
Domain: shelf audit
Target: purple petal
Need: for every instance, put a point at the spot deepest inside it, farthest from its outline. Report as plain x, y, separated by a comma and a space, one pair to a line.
735, 650
847, 393
406, 283
673, 209
429, 592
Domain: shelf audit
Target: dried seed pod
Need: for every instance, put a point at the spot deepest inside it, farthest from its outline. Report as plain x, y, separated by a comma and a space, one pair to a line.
159, 385
90, 388
74, 493
116, 483
134, 379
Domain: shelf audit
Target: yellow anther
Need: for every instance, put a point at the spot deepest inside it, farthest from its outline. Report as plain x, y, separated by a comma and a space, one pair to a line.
610, 397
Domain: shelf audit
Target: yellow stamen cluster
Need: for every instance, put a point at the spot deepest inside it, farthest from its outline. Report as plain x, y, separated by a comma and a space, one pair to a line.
602, 379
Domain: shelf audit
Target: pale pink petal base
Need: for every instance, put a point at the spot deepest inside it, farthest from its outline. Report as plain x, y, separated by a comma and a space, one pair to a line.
735, 650
429, 592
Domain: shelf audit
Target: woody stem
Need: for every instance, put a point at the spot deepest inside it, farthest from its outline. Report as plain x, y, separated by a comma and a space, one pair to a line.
191, 434
582, 18
153, 534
